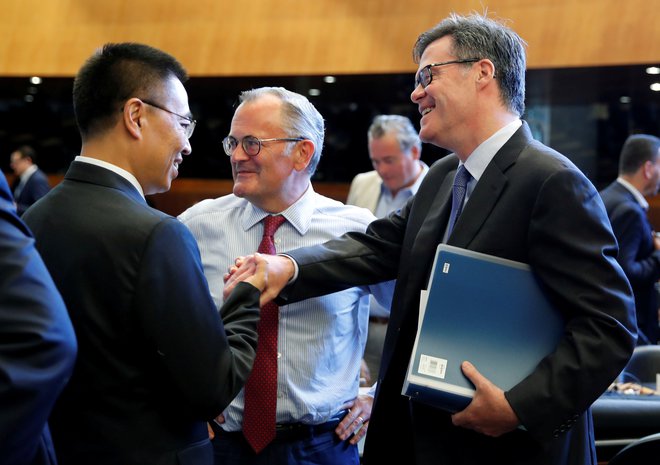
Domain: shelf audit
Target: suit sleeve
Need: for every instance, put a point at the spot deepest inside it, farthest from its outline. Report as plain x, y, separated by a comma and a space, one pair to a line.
37, 342
208, 361
353, 259
573, 251
630, 227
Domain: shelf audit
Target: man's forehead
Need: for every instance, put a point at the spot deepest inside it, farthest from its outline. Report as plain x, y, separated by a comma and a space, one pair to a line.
259, 112
438, 50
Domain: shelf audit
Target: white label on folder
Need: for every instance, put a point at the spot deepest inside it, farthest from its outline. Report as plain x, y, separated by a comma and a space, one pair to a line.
432, 366
445, 268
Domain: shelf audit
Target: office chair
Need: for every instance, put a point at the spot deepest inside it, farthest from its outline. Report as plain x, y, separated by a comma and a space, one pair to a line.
644, 450
643, 365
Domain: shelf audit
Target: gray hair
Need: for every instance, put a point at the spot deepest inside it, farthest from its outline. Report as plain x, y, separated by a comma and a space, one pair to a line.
399, 126
476, 36
299, 118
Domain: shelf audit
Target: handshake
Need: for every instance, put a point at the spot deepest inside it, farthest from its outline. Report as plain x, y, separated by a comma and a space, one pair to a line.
268, 273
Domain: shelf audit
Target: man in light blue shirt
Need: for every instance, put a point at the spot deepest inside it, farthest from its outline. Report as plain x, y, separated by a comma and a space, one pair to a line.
394, 150
275, 144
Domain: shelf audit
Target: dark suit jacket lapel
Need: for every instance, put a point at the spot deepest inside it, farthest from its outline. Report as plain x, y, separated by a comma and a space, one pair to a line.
488, 189
86, 172
435, 221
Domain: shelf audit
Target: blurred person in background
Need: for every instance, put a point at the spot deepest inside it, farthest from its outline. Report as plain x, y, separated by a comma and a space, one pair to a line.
30, 183
394, 151
639, 247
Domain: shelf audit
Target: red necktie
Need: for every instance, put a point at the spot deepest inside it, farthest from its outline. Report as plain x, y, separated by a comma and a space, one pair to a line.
261, 386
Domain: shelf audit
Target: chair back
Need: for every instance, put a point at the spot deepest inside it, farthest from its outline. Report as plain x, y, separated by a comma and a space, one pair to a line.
644, 450
643, 365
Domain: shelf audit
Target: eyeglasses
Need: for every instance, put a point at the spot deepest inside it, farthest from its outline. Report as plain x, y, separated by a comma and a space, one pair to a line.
425, 76
252, 145
187, 128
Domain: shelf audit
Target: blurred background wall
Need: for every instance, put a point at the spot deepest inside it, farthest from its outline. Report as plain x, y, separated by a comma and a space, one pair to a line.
588, 81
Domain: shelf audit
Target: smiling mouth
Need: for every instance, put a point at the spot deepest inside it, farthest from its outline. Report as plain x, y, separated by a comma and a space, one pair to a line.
244, 169
426, 111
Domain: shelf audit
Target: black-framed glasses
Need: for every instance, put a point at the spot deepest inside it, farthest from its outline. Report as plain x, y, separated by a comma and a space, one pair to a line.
187, 128
425, 76
252, 145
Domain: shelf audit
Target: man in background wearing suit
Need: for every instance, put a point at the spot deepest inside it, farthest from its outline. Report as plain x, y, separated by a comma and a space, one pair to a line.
155, 359
30, 183
639, 248
394, 150
37, 344
524, 202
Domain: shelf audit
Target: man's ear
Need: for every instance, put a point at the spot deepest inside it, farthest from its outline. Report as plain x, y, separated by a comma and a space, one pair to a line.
132, 115
415, 152
486, 71
647, 169
302, 154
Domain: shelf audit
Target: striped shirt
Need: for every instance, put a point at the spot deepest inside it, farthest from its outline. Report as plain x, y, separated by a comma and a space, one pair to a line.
320, 340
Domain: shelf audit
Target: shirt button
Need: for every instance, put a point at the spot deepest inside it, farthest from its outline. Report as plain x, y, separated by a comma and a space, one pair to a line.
279, 355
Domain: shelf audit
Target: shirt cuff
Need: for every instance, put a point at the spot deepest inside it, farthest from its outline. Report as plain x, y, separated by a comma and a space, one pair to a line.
295, 268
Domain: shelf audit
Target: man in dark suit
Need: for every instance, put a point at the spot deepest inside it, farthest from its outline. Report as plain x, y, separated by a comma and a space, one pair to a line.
524, 202
155, 360
37, 344
639, 254
30, 183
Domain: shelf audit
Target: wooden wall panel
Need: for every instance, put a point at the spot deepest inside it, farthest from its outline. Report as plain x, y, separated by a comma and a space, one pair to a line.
186, 192
290, 37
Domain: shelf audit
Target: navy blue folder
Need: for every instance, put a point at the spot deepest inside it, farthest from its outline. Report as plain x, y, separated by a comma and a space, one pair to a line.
487, 310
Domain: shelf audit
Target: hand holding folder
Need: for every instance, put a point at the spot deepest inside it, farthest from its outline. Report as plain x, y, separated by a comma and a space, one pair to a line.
483, 309
489, 412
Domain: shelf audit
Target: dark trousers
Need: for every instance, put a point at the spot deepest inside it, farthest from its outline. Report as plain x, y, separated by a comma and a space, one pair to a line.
323, 448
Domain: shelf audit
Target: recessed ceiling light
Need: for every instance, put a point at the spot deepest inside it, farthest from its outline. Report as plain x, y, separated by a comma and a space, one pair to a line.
653, 70
624, 99
36, 80
314, 92
655, 87
329, 79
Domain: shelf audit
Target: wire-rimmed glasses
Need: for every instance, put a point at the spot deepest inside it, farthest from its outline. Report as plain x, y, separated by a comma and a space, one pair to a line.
252, 145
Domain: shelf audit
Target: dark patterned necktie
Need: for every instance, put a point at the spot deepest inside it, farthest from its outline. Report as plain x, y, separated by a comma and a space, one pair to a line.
261, 386
458, 196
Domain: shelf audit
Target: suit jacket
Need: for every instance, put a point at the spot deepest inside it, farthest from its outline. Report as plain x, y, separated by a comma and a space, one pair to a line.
37, 343
637, 256
531, 205
155, 361
365, 190
35, 187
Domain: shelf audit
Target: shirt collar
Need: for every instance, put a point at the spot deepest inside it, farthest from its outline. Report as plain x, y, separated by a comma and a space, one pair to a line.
299, 214
478, 160
115, 169
418, 182
29, 171
637, 194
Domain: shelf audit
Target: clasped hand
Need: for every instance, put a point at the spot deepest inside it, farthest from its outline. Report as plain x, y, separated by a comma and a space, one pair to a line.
278, 269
